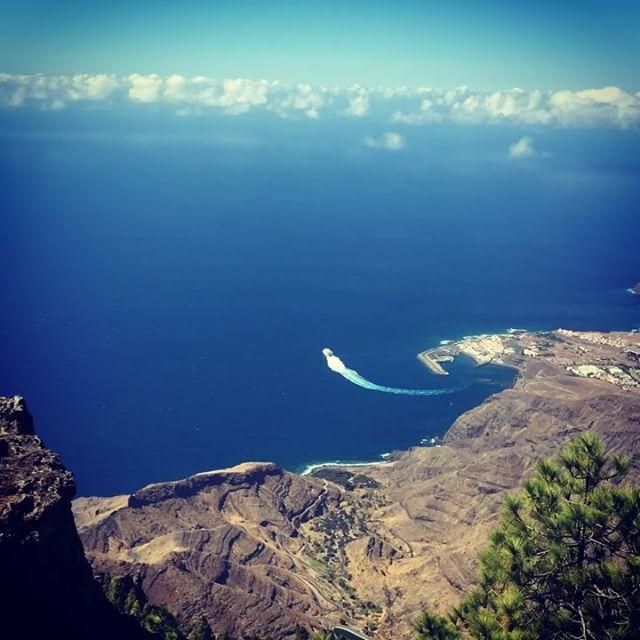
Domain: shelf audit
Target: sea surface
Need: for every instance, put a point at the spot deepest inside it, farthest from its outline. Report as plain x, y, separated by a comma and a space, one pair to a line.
167, 289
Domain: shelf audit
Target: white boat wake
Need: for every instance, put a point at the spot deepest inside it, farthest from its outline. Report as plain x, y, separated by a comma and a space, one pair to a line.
335, 364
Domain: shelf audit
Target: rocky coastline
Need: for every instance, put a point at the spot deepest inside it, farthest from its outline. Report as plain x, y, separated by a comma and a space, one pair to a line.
257, 549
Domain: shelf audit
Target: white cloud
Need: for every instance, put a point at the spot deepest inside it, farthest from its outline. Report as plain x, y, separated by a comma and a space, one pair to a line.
175, 88
608, 107
239, 94
599, 107
145, 88
88, 87
301, 99
233, 95
522, 148
56, 105
54, 92
359, 104
389, 140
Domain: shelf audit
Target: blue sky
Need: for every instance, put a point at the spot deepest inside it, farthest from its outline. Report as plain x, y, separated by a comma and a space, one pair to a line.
488, 45
405, 63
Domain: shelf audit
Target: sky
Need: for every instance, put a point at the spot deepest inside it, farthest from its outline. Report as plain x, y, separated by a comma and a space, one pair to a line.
483, 45
399, 64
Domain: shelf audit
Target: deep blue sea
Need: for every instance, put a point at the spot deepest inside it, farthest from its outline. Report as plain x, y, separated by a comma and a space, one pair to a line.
167, 289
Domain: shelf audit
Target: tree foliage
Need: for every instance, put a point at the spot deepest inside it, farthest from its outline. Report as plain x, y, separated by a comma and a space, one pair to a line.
128, 598
434, 627
323, 635
201, 630
564, 563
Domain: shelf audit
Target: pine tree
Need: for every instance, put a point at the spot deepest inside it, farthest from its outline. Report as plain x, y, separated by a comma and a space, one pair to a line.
322, 635
564, 563
434, 627
132, 603
116, 591
136, 610
158, 621
201, 630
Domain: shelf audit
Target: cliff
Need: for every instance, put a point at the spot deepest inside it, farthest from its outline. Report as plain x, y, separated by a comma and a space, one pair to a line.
47, 589
258, 550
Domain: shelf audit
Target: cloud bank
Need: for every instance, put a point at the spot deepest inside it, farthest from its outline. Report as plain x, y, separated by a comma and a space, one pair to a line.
601, 107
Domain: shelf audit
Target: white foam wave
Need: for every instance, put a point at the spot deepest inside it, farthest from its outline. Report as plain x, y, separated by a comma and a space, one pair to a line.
310, 468
335, 364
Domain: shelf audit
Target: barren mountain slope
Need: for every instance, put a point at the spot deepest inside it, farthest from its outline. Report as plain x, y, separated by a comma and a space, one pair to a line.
224, 544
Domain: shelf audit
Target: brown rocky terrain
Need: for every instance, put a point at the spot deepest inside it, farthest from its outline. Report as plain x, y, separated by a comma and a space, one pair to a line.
258, 550
225, 543
47, 588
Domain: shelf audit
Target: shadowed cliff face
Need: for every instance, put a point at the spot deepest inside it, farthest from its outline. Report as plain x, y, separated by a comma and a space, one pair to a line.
46, 586
259, 550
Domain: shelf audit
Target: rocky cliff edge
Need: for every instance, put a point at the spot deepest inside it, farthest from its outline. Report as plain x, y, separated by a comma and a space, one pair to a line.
46, 587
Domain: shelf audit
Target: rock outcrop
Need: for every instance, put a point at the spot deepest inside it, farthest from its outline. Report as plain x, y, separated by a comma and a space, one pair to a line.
46, 587
258, 550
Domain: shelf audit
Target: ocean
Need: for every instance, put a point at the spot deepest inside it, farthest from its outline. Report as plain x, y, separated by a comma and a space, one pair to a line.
168, 288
